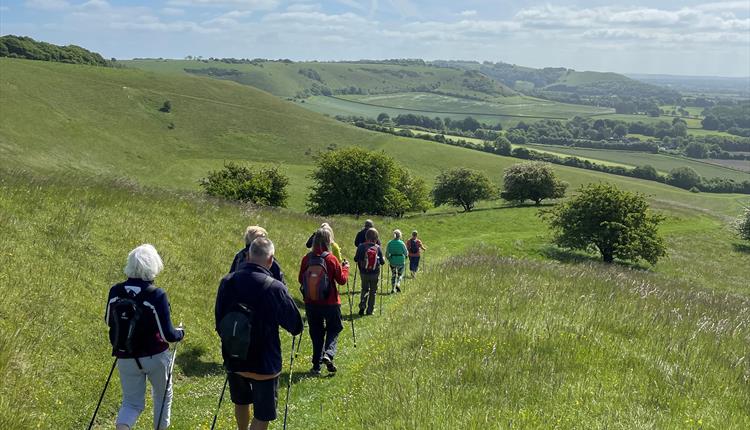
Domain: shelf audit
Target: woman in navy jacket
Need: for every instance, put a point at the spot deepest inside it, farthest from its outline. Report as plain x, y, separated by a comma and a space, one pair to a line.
148, 357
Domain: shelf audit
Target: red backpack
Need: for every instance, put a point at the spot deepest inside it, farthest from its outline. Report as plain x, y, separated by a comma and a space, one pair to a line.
316, 284
371, 261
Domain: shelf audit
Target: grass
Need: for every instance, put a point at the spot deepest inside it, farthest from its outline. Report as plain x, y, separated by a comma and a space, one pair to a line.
106, 122
661, 162
285, 80
501, 330
537, 344
514, 106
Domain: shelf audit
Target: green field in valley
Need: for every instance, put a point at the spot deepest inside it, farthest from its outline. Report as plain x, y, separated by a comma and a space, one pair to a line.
661, 162
502, 330
515, 106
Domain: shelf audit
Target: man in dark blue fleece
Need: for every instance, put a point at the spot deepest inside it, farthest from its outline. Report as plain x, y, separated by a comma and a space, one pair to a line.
255, 380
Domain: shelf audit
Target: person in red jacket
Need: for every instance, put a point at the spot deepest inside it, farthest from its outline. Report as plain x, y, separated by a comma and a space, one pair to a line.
319, 274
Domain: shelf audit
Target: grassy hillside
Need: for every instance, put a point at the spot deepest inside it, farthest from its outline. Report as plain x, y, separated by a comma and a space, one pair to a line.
289, 79
107, 122
502, 330
536, 344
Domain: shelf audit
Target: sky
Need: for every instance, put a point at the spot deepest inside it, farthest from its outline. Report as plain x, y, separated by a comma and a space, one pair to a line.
629, 36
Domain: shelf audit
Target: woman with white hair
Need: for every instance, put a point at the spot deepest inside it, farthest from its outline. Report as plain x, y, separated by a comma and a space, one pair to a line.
138, 314
241, 258
396, 254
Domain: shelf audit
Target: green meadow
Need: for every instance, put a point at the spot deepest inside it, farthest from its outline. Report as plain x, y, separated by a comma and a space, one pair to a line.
502, 330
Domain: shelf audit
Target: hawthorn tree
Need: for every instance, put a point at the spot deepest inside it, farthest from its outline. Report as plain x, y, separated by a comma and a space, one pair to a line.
356, 181
619, 224
534, 181
462, 187
265, 186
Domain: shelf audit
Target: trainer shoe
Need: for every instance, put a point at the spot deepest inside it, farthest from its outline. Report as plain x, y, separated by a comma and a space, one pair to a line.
329, 364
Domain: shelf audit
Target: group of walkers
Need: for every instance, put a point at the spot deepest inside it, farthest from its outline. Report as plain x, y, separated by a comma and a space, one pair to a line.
252, 303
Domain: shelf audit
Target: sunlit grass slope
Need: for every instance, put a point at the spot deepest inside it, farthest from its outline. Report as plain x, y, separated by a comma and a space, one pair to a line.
60, 118
479, 341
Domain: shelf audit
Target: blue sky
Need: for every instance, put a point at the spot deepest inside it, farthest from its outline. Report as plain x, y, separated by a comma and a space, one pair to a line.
674, 37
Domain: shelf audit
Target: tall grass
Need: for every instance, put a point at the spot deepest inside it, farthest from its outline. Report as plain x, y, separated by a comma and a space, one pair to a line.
478, 341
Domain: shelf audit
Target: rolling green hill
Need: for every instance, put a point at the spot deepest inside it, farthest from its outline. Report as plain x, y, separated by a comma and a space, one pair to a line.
501, 330
293, 79
107, 122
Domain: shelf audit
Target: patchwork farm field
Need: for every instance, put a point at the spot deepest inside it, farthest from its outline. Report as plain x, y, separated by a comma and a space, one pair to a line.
661, 162
521, 106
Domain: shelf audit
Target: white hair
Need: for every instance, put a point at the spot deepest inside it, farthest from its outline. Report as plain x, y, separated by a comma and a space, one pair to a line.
253, 232
261, 250
397, 233
144, 263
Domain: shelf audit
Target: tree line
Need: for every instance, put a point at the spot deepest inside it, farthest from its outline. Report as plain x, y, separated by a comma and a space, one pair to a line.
502, 146
27, 48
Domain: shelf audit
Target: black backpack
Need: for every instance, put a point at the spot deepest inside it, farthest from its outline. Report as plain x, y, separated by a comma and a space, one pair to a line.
235, 330
128, 327
413, 246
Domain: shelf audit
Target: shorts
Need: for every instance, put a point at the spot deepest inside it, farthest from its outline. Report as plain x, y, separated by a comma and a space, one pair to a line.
263, 395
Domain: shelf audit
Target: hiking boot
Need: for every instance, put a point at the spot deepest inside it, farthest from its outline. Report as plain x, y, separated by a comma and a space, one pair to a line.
329, 364
315, 371
361, 312
368, 313
393, 290
398, 290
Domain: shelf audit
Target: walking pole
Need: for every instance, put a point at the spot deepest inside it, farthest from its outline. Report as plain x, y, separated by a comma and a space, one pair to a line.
299, 342
289, 386
381, 290
355, 282
101, 397
166, 389
351, 318
221, 397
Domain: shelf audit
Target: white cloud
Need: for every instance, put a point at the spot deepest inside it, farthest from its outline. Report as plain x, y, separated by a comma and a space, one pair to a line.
172, 11
239, 4
470, 12
47, 4
304, 7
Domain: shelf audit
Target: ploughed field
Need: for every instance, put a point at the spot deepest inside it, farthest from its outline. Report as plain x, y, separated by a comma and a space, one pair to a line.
501, 330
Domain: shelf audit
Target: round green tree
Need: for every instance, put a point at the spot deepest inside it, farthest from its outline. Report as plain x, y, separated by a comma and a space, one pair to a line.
462, 187
684, 177
619, 224
533, 181
356, 181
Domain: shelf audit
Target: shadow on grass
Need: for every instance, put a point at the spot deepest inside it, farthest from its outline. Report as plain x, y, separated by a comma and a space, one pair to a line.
300, 375
741, 247
495, 208
191, 364
574, 257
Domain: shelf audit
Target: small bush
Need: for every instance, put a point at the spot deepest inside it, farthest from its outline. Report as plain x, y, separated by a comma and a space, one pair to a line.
265, 187
166, 107
743, 225
684, 177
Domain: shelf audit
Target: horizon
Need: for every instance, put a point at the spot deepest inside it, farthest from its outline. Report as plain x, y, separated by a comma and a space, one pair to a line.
691, 38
